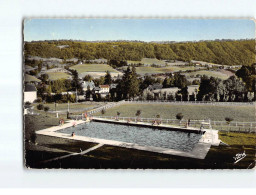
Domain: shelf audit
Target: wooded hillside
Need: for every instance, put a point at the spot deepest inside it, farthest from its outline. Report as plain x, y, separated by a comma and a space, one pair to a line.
240, 52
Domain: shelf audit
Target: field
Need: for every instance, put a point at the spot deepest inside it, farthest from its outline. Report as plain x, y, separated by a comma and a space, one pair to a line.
58, 75
93, 68
30, 78
148, 61
193, 112
168, 69
209, 73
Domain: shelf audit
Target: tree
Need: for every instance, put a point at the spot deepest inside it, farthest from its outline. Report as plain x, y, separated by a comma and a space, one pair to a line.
138, 113
107, 79
40, 107
229, 119
179, 116
88, 78
103, 111
46, 109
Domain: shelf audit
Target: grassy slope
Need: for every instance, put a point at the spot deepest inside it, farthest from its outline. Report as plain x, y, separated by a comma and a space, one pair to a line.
217, 74
30, 78
148, 61
93, 68
57, 75
214, 112
154, 70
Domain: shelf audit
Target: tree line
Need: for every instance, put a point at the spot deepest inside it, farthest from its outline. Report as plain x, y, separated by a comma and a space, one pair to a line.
239, 52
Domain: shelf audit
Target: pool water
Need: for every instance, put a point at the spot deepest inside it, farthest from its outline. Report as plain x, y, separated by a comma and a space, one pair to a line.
143, 136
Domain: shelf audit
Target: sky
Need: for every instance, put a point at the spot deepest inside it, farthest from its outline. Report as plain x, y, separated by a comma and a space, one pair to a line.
138, 29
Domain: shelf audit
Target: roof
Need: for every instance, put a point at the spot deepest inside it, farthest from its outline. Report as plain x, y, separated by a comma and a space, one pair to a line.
30, 87
104, 86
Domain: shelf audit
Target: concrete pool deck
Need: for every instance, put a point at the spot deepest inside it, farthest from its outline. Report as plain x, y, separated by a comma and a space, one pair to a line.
200, 150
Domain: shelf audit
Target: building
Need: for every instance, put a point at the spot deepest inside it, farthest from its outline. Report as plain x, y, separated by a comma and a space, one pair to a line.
30, 93
104, 89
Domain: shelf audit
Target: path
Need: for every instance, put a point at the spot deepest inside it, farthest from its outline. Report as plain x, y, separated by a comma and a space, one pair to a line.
74, 154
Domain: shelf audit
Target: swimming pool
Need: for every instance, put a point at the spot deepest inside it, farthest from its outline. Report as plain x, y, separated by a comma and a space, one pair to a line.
143, 136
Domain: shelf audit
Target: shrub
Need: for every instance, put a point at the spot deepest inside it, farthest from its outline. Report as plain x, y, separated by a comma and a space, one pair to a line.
40, 107
46, 109
179, 116
27, 103
103, 111
38, 100
138, 113
229, 119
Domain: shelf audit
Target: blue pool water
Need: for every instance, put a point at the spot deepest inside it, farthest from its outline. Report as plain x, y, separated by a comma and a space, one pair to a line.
143, 136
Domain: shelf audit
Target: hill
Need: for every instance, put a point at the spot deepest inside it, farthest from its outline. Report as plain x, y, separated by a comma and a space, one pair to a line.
234, 52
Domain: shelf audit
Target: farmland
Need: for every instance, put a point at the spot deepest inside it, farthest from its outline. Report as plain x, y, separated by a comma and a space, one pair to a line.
148, 61
58, 75
154, 70
214, 112
93, 68
209, 73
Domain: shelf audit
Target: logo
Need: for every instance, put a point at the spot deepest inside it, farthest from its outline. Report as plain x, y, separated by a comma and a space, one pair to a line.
239, 157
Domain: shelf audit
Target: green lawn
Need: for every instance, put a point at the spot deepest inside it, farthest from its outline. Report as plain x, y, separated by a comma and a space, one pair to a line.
30, 78
214, 112
57, 75
209, 73
93, 68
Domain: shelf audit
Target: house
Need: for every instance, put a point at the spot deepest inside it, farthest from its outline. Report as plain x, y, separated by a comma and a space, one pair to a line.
88, 84
104, 89
30, 93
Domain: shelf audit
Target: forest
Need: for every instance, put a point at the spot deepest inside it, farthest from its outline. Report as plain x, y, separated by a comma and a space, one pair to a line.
233, 52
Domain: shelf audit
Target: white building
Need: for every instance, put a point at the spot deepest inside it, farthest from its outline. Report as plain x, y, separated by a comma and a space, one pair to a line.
104, 89
30, 93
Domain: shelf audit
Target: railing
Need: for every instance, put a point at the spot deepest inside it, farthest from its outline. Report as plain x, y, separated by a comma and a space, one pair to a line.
189, 102
233, 126
107, 106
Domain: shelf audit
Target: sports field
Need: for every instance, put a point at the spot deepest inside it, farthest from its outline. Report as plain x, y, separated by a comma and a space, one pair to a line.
193, 112
93, 68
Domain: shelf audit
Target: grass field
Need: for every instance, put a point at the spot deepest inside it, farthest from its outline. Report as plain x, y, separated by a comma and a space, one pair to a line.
93, 68
167, 69
30, 78
193, 112
58, 75
209, 73
148, 61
